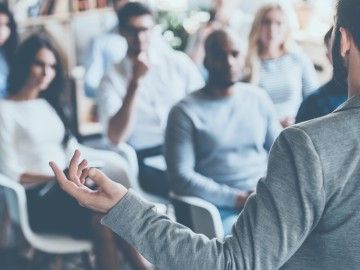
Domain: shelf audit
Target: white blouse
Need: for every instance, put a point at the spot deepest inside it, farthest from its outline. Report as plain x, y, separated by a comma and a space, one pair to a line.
31, 135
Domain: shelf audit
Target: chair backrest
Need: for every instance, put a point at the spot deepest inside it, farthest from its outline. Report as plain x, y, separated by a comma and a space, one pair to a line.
15, 196
16, 202
199, 215
129, 154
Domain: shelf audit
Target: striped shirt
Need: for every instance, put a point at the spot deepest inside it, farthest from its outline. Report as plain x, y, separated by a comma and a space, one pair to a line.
288, 80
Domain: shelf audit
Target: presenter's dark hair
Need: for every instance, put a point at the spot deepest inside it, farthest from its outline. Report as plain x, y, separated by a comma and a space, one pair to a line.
348, 16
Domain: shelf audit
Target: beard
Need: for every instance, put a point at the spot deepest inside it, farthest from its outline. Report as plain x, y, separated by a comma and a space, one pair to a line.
340, 67
220, 80
222, 84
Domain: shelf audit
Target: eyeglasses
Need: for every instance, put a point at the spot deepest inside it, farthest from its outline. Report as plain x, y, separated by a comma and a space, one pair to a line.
134, 31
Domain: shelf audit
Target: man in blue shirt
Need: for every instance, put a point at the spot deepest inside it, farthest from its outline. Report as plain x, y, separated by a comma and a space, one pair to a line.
327, 98
104, 51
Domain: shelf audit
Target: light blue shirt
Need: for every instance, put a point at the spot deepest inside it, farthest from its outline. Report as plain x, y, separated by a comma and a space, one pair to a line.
215, 147
105, 51
4, 73
288, 80
108, 50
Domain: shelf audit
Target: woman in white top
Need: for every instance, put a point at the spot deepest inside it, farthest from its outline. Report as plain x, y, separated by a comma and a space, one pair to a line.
32, 131
275, 63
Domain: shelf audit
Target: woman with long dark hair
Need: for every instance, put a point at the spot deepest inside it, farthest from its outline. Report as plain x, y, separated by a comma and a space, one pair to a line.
32, 130
8, 44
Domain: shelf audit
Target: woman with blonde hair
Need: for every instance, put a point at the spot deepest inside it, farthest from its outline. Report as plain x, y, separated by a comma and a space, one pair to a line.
275, 62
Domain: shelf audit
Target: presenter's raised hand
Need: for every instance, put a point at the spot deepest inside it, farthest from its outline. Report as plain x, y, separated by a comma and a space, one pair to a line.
102, 199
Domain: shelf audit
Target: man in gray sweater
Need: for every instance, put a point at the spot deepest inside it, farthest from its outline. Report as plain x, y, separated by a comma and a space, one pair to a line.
305, 213
218, 138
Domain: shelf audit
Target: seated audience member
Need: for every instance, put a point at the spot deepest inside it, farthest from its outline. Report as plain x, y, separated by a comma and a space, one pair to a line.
218, 138
8, 44
327, 98
33, 129
277, 65
134, 98
107, 50
305, 212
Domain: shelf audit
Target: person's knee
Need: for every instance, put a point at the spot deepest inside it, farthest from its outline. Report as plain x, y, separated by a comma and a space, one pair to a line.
117, 169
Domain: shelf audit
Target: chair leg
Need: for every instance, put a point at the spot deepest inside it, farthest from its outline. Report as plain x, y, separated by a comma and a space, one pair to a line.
40, 260
87, 261
5, 229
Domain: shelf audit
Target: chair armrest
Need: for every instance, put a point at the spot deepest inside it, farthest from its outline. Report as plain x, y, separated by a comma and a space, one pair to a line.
18, 214
197, 203
129, 154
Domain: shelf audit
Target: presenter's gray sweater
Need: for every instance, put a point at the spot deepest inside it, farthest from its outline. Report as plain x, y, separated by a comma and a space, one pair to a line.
305, 214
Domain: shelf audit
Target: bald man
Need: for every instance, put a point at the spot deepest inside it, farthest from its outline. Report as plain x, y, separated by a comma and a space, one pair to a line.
218, 138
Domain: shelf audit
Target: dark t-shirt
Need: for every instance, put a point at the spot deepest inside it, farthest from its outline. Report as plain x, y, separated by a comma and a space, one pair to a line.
324, 101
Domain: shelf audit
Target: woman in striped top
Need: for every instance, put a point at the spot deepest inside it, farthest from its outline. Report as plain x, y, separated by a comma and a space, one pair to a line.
275, 63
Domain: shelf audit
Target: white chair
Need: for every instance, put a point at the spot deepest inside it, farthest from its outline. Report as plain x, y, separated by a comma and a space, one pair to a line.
199, 215
58, 244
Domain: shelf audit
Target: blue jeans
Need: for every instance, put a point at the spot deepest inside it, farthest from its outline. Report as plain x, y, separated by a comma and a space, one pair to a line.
228, 218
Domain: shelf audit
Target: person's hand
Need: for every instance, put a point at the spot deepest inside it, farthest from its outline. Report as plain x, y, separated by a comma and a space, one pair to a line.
287, 121
107, 194
140, 66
